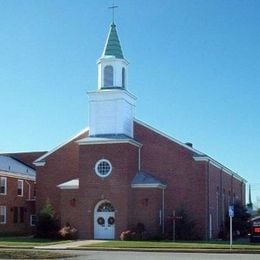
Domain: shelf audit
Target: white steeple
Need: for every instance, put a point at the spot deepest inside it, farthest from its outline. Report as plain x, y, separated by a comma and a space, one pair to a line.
111, 106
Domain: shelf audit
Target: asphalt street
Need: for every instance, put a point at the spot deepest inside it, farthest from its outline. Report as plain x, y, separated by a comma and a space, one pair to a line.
119, 255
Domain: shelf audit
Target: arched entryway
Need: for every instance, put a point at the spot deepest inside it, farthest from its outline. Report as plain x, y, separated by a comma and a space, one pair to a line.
104, 220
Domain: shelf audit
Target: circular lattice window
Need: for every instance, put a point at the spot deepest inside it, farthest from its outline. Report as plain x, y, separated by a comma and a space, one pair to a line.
103, 168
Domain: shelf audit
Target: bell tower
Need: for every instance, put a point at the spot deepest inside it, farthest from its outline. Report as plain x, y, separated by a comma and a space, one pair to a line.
112, 106
112, 67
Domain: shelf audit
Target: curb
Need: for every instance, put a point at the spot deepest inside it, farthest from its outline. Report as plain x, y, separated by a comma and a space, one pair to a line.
164, 250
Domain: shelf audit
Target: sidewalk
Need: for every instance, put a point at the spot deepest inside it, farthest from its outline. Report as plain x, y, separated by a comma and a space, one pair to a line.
71, 245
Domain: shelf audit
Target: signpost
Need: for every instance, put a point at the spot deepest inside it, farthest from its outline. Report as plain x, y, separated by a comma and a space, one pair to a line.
231, 215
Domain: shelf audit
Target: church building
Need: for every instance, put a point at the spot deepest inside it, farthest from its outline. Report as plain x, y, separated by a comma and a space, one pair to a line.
120, 171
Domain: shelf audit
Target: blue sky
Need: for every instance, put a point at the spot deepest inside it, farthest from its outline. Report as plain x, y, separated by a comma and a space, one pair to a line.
194, 66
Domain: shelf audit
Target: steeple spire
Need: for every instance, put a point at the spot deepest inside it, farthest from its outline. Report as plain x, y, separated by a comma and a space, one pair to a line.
112, 46
250, 204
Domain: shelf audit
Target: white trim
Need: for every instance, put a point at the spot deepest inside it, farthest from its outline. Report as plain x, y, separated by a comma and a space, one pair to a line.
167, 136
40, 160
20, 181
147, 186
4, 214
113, 92
31, 220
5, 182
17, 175
219, 166
39, 163
96, 168
69, 185
87, 141
196, 158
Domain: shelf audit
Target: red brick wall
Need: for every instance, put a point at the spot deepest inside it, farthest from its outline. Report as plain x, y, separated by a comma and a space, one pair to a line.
190, 185
174, 165
115, 188
61, 166
12, 200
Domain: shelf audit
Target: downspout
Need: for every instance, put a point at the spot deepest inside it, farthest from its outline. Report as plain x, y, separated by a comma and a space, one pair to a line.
139, 158
232, 191
29, 193
221, 198
163, 206
208, 202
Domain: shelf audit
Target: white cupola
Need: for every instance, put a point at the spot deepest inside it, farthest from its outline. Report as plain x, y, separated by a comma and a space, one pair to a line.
111, 106
112, 67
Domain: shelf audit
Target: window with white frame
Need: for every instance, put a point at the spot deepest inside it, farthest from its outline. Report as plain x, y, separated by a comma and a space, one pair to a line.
108, 76
32, 220
3, 185
20, 188
103, 168
2, 214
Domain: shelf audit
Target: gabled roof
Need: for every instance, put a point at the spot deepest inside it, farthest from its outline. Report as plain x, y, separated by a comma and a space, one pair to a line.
26, 158
12, 167
41, 160
145, 180
112, 46
197, 155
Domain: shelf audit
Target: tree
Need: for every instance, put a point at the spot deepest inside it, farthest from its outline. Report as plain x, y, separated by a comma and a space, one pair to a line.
185, 226
47, 223
240, 221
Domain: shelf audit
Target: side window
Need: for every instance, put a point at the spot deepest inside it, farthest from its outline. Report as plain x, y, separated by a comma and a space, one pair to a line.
22, 211
15, 216
123, 77
2, 214
20, 188
32, 220
108, 76
3, 185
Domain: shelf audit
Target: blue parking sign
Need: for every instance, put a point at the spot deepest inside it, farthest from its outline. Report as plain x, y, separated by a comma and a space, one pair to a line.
231, 211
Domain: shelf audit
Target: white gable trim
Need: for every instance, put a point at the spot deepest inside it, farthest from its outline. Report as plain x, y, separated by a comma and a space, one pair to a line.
219, 166
167, 136
69, 185
196, 158
107, 141
41, 161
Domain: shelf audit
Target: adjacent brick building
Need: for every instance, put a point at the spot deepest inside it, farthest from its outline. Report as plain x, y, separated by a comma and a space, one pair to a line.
17, 197
120, 171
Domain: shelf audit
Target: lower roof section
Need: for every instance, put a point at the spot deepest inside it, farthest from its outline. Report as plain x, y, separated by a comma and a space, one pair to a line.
145, 180
69, 185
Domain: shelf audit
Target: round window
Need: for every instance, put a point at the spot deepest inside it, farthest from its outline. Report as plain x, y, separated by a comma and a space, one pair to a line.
103, 168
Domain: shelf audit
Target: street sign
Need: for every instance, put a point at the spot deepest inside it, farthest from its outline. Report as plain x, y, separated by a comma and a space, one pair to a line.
231, 211
231, 215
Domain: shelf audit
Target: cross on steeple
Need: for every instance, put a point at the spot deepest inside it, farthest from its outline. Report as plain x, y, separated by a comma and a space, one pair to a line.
113, 7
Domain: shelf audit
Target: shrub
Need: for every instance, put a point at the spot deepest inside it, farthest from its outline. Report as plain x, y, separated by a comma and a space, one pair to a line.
68, 232
47, 223
127, 235
185, 226
137, 233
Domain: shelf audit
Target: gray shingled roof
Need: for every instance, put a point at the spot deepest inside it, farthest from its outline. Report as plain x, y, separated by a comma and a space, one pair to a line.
145, 180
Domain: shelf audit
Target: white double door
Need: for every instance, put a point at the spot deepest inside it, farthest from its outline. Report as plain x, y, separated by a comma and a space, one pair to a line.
104, 225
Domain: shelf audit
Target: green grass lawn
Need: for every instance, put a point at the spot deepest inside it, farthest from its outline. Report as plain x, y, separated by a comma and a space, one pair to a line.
176, 245
26, 254
27, 242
